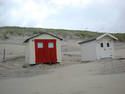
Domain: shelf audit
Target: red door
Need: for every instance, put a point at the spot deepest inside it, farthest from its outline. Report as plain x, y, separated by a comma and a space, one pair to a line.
45, 51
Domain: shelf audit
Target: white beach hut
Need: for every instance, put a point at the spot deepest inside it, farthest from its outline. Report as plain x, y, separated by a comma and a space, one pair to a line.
43, 48
98, 47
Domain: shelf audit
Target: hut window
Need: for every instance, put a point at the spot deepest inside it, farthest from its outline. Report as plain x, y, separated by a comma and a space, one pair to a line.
50, 45
108, 45
40, 45
101, 44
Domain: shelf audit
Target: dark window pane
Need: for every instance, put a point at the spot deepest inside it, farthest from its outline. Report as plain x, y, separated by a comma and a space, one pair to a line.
101, 44
108, 45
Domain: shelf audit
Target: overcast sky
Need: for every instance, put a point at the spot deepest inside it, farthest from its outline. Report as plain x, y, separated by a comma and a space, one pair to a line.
95, 15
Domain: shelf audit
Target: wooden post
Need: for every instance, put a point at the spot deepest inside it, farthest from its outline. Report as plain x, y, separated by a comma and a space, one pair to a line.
4, 57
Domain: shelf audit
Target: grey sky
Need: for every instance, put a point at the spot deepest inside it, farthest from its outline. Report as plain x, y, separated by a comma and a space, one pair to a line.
95, 15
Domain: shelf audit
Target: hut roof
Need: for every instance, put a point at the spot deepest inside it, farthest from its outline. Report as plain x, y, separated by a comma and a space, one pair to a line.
41, 34
98, 37
88, 40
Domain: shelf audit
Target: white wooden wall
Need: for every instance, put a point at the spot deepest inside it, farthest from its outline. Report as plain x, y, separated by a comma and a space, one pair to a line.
88, 51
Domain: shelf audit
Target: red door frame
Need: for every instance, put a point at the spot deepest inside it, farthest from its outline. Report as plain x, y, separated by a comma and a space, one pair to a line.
45, 54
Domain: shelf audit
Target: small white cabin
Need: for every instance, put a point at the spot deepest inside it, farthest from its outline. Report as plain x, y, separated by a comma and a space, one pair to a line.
43, 48
98, 47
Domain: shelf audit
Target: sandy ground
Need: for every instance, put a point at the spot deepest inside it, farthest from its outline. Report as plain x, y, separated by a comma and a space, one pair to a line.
71, 76
75, 79
14, 67
15, 60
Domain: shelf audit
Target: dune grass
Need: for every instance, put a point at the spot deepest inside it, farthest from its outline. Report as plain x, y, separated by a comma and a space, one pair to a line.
28, 31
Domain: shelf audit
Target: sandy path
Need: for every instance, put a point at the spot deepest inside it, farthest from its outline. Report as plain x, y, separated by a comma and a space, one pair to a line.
75, 79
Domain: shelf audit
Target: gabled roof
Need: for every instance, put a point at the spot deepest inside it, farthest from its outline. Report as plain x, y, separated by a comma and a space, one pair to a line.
107, 34
98, 38
41, 34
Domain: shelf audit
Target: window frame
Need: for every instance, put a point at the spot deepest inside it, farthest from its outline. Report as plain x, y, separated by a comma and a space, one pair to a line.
38, 44
50, 44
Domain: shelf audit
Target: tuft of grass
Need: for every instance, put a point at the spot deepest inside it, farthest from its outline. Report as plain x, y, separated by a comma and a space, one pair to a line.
5, 36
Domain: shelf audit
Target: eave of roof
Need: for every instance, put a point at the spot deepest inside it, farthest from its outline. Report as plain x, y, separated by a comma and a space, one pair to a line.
41, 34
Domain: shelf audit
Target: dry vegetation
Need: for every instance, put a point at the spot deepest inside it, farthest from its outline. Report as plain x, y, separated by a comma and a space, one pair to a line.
6, 32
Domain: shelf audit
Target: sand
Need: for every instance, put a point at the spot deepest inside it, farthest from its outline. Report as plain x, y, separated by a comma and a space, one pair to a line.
71, 76
75, 79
